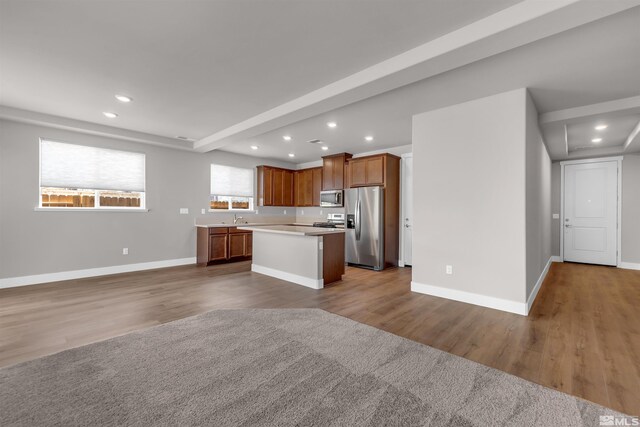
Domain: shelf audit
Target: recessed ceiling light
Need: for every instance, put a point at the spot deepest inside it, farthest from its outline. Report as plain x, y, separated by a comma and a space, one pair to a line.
291, 155
110, 115
601, 127
254, 147
124, 98
286, 138
325, 148
368, 138
596, 140
332, 124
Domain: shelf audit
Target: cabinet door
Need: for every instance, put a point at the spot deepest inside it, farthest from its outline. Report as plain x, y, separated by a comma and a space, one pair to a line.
278, 182
358, 172
248, 247
297, 188
218, 247
267, 186
327, 173
237, 245
287, 188
375, 171
316, 186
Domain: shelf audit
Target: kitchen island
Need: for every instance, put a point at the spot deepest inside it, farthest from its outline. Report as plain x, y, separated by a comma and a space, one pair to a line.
308, 256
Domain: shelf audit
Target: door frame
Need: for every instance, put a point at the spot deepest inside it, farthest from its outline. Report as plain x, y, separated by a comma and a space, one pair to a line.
618, 159
403, 157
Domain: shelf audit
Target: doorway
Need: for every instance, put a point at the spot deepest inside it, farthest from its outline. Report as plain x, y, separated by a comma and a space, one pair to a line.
406, 211
590, 226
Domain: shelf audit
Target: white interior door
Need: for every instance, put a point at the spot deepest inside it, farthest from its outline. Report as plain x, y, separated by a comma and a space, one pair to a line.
591, 212
407, 209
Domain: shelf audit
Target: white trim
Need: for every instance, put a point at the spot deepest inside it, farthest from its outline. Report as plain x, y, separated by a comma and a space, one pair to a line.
403, 158
12, 282
289, 277
104, 209
536, 288
617, 159
629, 265
471, 298
556, 258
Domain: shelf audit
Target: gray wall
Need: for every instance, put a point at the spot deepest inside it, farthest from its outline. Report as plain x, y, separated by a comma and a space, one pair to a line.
45, 242
469, 209
630, 208
538, 199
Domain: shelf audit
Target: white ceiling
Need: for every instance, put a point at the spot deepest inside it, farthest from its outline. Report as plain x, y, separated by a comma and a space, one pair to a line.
207, 69
580, 135
589, 64
195, 67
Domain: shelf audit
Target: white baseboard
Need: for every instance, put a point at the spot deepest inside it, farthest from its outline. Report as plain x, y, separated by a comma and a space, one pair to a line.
289, 277
556, 258
471, 298
12, 282
536, 288
629, 265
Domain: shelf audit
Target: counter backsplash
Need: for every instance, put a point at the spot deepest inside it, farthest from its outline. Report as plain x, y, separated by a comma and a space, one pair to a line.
271, 215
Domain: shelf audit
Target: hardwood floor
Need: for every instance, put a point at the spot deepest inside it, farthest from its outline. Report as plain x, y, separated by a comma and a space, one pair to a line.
582, 336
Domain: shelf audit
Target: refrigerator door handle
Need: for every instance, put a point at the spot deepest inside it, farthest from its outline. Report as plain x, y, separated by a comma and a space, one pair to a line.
358, 223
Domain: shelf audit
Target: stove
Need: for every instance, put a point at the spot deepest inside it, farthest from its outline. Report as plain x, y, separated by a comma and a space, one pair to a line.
333, 221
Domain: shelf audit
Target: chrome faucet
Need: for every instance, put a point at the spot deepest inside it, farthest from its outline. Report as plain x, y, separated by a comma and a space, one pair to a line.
236, 218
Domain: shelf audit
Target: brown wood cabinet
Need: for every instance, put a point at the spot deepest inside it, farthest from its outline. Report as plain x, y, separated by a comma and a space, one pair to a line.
308, 184
365, 171
275, 186
383, 170
217, 245
334, 175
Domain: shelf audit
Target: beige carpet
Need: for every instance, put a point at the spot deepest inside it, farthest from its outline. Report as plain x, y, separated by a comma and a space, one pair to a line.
274, 367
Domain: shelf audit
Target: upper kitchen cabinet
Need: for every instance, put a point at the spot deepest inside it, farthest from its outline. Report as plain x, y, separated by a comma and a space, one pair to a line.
275, 186
372, 170
308, 184
334, 176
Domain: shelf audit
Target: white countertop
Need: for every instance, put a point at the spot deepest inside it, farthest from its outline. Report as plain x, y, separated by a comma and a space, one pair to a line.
297, 230
222, 224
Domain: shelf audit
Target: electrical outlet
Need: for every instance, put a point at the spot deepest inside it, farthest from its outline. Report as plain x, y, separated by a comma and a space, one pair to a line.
125, 251
184, 211
556, 216
320, 211
301, 211
449, 269
285, 211
203, 211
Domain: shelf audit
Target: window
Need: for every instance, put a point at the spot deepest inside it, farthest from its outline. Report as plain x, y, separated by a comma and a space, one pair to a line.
78, 176
231, 188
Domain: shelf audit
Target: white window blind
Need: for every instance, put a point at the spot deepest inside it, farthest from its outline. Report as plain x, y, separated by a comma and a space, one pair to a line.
78, 166
231, 181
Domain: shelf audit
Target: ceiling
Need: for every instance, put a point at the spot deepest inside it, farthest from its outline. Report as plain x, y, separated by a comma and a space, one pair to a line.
583, 135
196, 67
220, 72
586, 65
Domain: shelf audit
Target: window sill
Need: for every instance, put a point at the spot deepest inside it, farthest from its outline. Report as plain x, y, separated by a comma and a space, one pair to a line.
137, 210
224, 211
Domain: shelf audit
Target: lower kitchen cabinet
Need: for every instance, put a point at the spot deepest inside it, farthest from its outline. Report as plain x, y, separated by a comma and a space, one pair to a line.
217, 245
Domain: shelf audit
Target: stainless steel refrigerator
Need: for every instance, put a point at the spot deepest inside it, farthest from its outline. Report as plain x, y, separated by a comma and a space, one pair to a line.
364, 227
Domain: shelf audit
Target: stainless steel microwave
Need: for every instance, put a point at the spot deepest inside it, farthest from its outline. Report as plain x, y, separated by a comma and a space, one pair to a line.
332, 198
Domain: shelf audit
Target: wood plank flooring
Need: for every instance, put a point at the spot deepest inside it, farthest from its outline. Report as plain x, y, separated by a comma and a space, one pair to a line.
582, 337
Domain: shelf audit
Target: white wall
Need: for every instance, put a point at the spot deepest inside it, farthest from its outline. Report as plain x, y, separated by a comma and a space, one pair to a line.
538, 200
46, 242
469, 198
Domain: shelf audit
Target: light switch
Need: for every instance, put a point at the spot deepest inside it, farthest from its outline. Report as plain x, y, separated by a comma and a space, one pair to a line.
556, 216
184, 211
203, 211
449, 269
